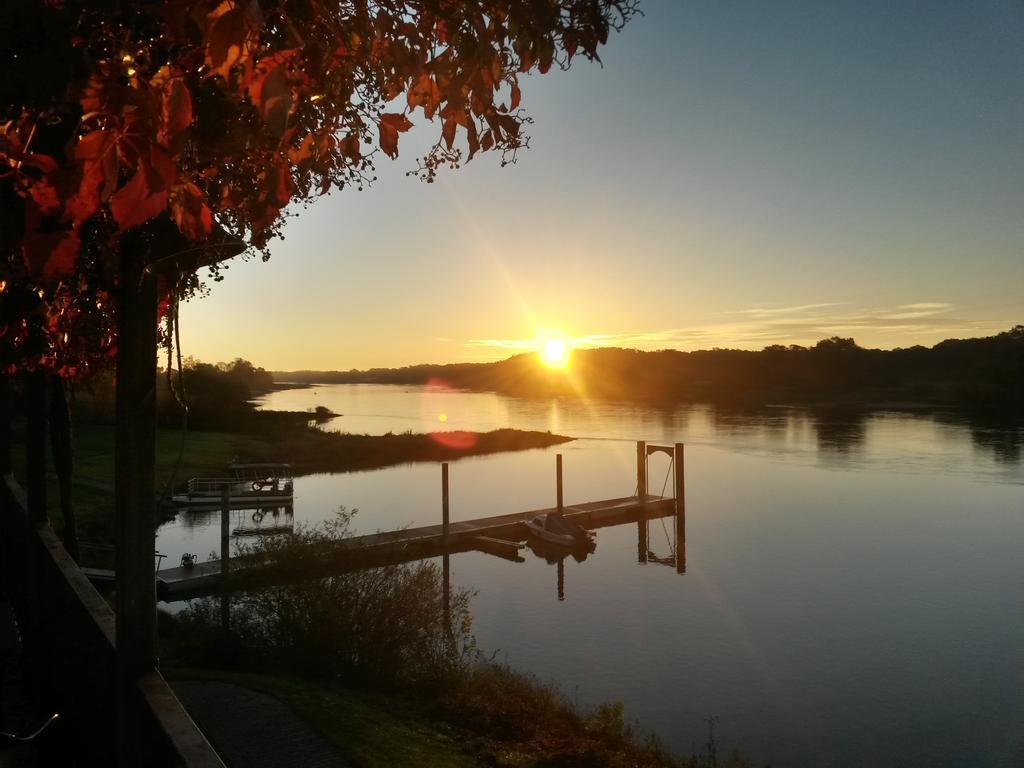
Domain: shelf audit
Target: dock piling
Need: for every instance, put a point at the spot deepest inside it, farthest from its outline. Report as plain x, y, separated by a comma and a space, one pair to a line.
225, 555
445, 565
558, 482
641, 492
680, 472
444, 502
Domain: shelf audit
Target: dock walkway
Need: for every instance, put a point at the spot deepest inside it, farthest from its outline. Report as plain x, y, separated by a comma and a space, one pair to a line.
496, 535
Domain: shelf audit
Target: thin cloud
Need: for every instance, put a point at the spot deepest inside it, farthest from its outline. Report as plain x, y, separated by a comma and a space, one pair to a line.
770, 311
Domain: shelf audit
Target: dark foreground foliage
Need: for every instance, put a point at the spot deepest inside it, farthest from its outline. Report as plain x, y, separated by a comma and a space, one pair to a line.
387, 630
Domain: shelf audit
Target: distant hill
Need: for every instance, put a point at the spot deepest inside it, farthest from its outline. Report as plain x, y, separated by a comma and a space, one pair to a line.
985, 372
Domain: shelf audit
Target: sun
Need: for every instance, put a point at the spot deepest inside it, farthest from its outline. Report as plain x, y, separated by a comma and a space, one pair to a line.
554, 350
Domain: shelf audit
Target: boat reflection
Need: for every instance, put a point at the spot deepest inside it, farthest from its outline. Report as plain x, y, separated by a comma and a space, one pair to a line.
265, 521
555, 554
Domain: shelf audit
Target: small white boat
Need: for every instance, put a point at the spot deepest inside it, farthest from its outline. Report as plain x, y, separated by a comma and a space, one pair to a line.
552, 527
251, 485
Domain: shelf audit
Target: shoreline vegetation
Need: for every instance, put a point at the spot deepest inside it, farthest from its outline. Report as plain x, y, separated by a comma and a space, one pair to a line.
980, 373
385, 665
222, 425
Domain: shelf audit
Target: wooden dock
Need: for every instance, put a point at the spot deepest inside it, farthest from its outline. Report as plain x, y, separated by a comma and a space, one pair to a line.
497, 535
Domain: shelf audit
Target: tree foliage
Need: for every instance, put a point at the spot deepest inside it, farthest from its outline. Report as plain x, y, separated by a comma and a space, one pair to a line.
214, 115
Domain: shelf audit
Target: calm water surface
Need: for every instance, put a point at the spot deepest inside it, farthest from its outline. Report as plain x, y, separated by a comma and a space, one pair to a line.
854, 585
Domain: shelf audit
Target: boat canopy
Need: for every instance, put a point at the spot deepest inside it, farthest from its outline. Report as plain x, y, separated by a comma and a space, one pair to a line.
259, 471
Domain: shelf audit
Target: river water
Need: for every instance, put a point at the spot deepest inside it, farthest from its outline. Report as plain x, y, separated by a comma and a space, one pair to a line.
854, 584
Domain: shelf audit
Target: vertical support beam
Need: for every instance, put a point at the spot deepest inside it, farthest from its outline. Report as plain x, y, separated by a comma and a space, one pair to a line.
561, 578
641, 492
63, 460
641, 469
135, 494
40, 646
558, 481
5, 424
445, 565
680, 472
35, 443
225, 557
444, 503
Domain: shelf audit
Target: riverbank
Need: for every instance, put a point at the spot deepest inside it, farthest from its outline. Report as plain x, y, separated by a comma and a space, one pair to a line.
270, 436
375, 730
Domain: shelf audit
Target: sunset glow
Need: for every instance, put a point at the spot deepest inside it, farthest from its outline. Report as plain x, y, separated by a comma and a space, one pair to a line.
554, 351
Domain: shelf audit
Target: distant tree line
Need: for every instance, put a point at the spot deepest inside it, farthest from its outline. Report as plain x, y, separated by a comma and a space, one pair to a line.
219, 396
983, 373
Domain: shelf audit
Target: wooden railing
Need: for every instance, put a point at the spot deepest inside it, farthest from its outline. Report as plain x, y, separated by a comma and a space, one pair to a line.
69, 642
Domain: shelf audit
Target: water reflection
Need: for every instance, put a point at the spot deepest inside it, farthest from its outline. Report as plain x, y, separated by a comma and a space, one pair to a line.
840, 434
818, 605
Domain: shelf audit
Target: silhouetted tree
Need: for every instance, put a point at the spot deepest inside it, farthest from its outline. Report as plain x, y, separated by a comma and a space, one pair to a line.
194, 123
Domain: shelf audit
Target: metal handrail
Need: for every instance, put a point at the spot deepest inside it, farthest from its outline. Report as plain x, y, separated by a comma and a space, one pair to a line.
31, 736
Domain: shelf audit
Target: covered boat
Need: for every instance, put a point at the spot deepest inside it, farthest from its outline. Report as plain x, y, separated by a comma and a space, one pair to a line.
554, 528
251, 485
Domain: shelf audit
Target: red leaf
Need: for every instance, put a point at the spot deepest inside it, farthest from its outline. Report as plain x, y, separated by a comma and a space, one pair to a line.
50, 256
228, 39
94, 145
303, 152
191, 213
426, 93
175, 111
45, 195
450, 126
270, 91
62, 259
100, 165
391, 124
145, 194
135, 203
350, 146
517, 96
474, 142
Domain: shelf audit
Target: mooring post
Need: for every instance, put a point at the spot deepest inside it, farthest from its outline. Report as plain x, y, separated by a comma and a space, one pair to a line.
680, 472
225, 556
5, 424
445, 566
444, 503
558, 481
641, 492
225, 524
35, 443
561, 578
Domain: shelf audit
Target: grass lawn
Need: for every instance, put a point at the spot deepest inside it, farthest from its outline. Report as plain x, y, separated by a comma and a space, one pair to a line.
93, 487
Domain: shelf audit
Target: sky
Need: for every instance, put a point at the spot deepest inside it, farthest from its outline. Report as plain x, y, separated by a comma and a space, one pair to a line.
737, 174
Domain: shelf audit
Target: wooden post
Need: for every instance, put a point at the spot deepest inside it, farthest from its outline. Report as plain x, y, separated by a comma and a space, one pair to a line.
444, 502
561, 578
39, 607
35, 444
5, 424
680, 471
63, 461
641, 492
135, 494
445, 565
641, 470
558, 481
225, 556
